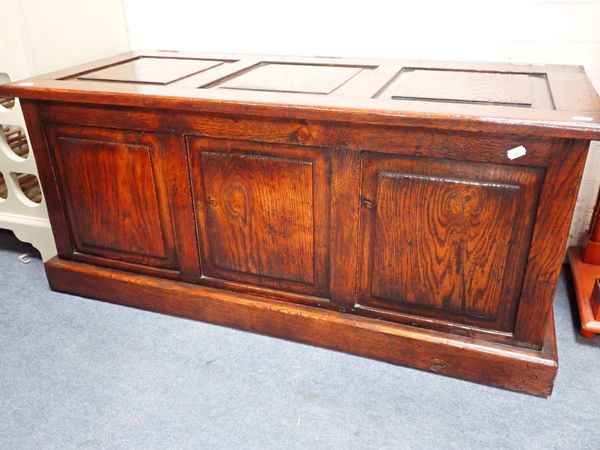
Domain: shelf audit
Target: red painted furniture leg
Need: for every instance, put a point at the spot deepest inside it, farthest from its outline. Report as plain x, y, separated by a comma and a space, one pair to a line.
591, 253
585, 266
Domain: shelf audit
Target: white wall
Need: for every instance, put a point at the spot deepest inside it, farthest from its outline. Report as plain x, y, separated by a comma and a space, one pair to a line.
563, 32
39, 36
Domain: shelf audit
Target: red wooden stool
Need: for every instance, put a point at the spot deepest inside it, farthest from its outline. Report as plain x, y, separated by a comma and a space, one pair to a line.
585, 266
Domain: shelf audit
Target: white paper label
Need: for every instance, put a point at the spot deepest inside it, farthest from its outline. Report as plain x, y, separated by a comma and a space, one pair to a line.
516, 152
583, 118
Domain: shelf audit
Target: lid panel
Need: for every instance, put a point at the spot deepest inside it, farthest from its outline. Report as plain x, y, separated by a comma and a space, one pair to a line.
293, 78
151, 70
471, 87
545, 100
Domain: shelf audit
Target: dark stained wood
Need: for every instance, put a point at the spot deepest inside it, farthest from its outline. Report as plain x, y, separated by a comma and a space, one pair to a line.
506, 89
574, 111
294, 78
395, 140
445, 239
369, 206
345, 208
262, 213
122, 194
151, 70
220, 73
111, 198
554, 215
170, 170
510, 368
46, 173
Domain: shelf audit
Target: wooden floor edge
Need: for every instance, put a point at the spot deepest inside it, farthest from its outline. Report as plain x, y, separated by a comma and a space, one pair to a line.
475, 360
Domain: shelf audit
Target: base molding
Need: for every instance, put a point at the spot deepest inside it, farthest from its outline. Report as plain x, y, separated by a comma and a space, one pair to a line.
471, 359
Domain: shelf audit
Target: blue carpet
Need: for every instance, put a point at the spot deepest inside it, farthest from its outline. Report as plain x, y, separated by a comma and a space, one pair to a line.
77, 373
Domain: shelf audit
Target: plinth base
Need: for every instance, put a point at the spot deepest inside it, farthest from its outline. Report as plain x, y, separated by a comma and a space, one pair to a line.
472, 359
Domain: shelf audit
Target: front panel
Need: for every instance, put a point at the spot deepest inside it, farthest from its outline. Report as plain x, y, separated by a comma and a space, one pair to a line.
444, 239
118, 197
262, 213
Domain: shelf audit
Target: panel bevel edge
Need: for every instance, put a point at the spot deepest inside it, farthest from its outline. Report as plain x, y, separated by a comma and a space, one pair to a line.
173, 258
77, 74
443, 180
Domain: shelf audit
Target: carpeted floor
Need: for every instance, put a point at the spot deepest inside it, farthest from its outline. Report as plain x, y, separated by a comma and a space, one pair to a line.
77, 373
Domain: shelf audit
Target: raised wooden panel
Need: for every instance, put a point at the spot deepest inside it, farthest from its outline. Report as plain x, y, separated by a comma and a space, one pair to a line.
116, 206
262, 212
445, 239
295, 78
151, 70
464, 86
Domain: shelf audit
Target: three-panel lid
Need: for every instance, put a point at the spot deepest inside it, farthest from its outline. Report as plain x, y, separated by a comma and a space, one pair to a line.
501, 98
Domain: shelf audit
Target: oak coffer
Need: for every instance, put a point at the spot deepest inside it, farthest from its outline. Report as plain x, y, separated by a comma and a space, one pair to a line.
413, 212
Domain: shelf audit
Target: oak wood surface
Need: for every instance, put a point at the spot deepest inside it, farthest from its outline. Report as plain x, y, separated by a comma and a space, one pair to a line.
568, 115
124, 203
499, 365
356, 139
293, 78
109, 215
472, 146
441, 238
262, 213
151, 70
506, 89
365, 205
550, 234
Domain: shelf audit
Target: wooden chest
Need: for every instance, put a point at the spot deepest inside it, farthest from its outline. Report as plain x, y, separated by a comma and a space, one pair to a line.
414, 212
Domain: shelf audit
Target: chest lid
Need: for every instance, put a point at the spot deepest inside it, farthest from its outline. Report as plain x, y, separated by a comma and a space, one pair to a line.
546, 100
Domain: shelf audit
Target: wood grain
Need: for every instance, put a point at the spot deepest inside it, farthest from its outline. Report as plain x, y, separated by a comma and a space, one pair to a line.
456, 86
295, 197
123, 194
345, 209
296, 78
43, 159
263, 213
151, 70
546, 255
471, 146
441, 238
510, 368
114, 215
564, 104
